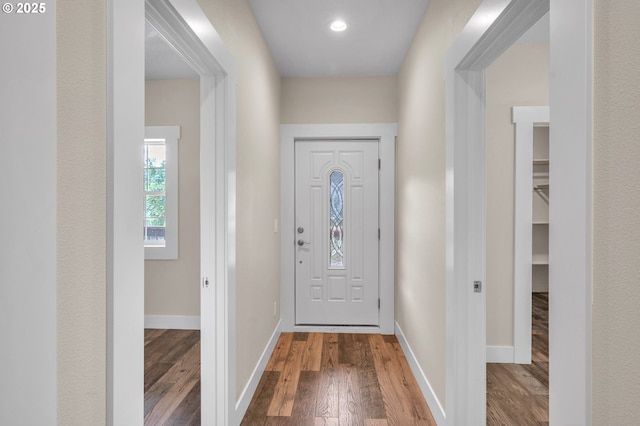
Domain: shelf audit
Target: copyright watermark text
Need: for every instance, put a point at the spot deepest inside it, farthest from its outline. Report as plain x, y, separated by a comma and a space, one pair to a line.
24, 8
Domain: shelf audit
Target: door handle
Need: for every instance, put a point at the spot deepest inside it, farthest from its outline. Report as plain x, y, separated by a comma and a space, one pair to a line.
301, 243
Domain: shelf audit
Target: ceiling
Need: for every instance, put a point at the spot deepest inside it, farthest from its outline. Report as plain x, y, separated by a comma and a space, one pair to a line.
298, 36
302, 45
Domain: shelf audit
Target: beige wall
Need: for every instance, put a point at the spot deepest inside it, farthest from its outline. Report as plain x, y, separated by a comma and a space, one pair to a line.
520, 77
420, 228
339, 100
172, 287
258, 184
81, 214
616, 223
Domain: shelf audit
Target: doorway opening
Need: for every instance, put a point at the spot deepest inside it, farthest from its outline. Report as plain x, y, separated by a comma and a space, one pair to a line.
517, 229
492, 29
187, 30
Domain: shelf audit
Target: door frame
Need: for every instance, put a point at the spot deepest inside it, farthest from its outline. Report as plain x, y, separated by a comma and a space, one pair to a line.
492, 29
188, 30
525, 118
386, 135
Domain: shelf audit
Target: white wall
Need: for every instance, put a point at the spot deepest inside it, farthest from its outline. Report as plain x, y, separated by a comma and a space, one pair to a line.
520, 77
339, 100
420, 194
258, 184
28, 218
172, 287
616, 223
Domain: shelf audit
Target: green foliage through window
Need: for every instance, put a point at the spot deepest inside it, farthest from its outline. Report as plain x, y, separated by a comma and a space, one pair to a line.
154, 189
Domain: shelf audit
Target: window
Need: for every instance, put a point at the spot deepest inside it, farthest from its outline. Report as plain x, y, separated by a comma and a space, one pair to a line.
336, 220
160, 182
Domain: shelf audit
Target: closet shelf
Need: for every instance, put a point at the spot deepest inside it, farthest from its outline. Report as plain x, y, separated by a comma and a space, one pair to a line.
540, 222
541, 187
541, 162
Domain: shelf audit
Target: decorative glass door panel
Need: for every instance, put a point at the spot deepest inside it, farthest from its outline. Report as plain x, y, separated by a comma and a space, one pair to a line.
336, 220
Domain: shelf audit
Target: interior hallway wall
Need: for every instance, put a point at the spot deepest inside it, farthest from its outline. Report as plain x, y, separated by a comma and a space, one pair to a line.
520, 77
258, 180
172, 287
420, 195
28, 219
616, 223
317, 100
81, 212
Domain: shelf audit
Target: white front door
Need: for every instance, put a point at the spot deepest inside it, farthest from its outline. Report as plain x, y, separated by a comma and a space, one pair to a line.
336, 232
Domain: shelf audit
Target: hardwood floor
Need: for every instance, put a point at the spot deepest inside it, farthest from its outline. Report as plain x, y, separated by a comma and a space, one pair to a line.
171, 377
518, 394
337, 379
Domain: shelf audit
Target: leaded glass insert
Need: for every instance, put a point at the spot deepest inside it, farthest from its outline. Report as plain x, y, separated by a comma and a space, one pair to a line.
336, 220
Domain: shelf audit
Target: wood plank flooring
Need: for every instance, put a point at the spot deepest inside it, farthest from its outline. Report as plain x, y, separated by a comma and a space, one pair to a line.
171, 377
337, 379
518, 394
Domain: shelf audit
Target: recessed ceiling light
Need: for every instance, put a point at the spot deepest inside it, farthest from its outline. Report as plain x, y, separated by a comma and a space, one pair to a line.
338, 25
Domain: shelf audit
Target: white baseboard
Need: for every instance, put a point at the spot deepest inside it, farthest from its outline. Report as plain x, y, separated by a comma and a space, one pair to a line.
172, 322
429, 395
500, 354
256, 375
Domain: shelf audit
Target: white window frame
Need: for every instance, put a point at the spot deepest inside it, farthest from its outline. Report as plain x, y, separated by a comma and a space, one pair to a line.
170, 135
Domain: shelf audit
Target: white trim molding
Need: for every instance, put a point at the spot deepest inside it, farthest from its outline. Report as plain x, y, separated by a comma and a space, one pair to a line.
386, 134
524, 119
425, 387
250, 389
125, 253
500, 354
570, 233
172, 322
493, 28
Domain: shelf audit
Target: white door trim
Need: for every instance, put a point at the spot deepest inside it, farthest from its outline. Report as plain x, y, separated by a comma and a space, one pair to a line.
386, 134
125, 255
524, 118
482, 41
570, 177
185, 26
490, 31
